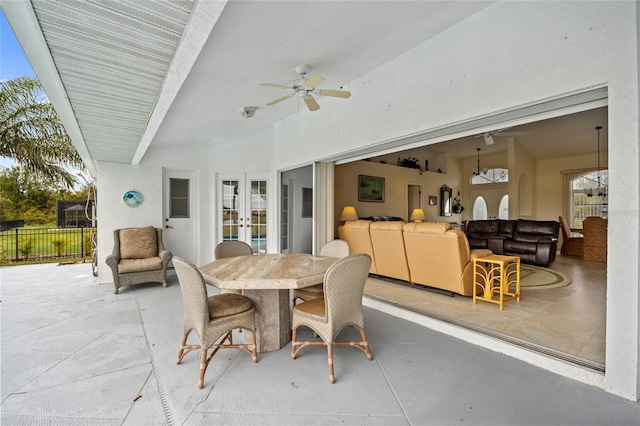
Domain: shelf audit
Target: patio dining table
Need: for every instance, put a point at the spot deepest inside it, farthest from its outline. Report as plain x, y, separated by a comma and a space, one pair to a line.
267, 280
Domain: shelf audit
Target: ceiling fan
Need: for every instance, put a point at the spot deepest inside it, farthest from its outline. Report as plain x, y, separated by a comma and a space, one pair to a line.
488, 136
304, 87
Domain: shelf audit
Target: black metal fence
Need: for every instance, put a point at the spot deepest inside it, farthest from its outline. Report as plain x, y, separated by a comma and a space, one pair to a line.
42, 245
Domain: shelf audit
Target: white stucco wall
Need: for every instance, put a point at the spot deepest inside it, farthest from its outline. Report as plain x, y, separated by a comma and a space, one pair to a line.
510, 54
248, 152
113, 181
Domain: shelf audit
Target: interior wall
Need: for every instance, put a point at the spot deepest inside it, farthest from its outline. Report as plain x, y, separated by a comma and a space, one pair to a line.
469, 166
427, 159
522, 182
397, 180
549, 178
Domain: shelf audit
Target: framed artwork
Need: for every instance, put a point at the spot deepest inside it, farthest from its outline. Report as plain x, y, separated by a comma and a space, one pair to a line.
370, 188
433, 200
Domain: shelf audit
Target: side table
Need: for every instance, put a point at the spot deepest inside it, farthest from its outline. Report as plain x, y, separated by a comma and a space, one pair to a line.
495, 275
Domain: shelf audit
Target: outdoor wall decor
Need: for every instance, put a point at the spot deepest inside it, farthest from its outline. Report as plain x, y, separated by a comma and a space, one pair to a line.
370, 188
132, 198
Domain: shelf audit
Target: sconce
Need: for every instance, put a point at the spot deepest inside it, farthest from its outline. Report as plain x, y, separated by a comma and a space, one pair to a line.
417, 215
348, 213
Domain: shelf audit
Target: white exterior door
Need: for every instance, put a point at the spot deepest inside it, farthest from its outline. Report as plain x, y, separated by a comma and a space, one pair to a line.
489, 203
180, 214
243, 210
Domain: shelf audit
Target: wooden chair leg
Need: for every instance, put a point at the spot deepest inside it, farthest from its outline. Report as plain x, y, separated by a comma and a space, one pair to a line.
181, 351
294, 333
254, 353
330, 357
365, 343
203, 368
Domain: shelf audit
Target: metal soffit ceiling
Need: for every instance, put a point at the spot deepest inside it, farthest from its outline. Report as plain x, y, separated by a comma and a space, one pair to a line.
112, 58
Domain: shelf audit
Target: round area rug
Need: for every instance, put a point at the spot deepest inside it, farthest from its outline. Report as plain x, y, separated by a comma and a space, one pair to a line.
538, 278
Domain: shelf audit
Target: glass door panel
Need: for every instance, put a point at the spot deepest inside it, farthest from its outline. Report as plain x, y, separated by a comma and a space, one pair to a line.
258, 223
490, 203
243, 215
230, 210
178, 198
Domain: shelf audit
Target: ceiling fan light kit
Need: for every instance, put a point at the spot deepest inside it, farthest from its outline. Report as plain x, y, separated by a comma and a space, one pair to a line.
248, 112
305, 87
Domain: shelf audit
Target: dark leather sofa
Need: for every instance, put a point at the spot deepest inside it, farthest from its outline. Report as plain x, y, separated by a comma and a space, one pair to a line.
534, 241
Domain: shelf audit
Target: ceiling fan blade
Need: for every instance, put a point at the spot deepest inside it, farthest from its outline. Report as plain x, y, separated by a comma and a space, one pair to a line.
465, 139
335, 93
277, 86
511, 134
311, 103
279, 99
313, 81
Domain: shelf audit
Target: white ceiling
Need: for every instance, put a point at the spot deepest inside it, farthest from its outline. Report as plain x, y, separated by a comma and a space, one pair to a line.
133, 76
559, 137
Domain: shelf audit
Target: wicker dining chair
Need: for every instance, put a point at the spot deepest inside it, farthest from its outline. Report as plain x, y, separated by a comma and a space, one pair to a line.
232, 248
341, 306
571, 246
595, 239
212, 317
335, 248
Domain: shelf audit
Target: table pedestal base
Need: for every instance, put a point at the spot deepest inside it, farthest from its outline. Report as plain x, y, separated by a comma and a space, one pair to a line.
273, 319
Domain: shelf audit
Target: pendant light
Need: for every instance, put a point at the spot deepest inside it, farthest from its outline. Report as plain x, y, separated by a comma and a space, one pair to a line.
601, 190
477, 171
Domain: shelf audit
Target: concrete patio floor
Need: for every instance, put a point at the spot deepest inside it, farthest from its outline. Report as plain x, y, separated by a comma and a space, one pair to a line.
74, 353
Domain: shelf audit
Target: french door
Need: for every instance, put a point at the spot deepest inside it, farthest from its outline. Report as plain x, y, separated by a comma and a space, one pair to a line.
242, 208
490, 203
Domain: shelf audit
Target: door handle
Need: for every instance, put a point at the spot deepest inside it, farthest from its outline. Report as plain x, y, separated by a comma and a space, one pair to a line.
168, 226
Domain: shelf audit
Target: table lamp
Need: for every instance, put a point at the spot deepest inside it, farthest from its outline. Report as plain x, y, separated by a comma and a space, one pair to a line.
417, 215
348, 213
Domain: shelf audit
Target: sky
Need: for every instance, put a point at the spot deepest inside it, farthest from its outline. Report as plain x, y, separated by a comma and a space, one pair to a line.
13, 62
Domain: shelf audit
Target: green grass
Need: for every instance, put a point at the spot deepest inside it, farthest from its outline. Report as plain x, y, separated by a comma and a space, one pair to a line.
36, 244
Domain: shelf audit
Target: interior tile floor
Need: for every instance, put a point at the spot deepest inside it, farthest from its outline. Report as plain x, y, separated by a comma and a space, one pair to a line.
566, 322
73, 353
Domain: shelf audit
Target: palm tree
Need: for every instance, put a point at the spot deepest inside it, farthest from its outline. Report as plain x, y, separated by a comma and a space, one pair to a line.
32, 134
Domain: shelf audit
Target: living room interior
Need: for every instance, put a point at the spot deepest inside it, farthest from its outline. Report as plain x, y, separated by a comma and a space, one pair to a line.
566, 322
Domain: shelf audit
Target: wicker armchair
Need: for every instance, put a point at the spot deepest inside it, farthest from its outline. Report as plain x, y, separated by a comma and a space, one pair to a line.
341, 306
138, 256
335, 248
571, 246
212, 317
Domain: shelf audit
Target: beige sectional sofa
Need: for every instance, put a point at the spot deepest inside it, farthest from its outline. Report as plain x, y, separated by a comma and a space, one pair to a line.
427, 253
